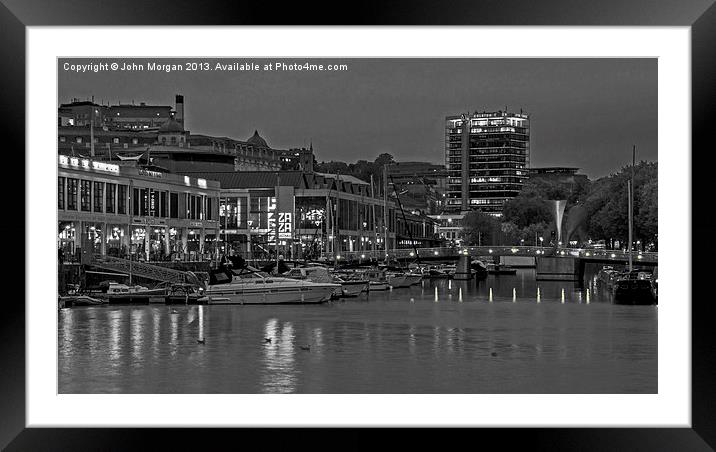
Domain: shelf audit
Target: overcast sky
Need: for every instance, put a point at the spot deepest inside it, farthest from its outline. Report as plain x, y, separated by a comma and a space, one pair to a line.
584, 112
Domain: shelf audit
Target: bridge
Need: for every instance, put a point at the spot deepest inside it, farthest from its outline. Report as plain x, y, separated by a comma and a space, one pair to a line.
453, 253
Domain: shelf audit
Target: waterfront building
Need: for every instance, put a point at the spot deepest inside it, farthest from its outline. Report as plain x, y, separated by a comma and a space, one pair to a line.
316, 214
487, 156
122, 209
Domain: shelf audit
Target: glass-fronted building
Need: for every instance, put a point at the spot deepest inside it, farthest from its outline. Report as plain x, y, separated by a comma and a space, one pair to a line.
126, 210
316, 215
487, 157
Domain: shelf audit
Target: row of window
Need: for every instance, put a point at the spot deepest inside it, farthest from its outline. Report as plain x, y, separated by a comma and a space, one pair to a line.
106, 197
80, 140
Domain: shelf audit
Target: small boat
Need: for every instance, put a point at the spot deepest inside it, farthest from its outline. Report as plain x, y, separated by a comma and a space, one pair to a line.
183, 294
403, 279
606, 276
633, 287
115, 292
79, 300
376, 279
251, 286
435, 272
479, 269
498, 269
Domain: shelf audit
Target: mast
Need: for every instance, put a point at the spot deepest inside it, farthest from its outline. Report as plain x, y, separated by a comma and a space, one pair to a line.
275, 213
410, 233
385, 210
336, 224
629, 190
372, 195
630, 187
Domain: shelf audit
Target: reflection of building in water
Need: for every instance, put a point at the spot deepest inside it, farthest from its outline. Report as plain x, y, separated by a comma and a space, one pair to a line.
122, 208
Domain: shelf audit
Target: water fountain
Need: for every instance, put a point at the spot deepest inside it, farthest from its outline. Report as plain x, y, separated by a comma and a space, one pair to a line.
559, 206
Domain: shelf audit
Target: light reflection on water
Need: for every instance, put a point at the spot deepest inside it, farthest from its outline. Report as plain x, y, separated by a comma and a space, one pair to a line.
507, 334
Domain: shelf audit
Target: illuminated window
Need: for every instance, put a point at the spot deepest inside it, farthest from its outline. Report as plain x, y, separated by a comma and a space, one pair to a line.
61, 193
72, 194
122, 199
98, 196
110, 204
85, 195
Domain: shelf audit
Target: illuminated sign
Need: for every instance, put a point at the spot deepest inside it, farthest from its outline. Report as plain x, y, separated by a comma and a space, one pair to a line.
86, 163
105, 167
201, 183
285, 225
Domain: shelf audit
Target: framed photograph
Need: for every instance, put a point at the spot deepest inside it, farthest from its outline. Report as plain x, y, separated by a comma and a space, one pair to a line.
454, 225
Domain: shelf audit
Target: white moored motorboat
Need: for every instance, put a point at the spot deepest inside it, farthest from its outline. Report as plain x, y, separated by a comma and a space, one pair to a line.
251, 286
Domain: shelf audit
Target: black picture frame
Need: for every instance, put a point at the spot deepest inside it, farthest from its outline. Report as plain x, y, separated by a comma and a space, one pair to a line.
700, 15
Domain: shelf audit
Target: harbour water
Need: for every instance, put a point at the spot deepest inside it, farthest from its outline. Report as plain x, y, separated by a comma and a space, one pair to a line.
507, 334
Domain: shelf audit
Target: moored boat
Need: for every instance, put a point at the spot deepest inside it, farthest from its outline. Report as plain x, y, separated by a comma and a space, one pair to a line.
401, 280
79, 300
122, 293
251, 286
633, 287
320, 274
498, 269
376, 279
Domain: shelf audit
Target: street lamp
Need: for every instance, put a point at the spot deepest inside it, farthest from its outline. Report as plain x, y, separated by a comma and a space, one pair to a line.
541, 241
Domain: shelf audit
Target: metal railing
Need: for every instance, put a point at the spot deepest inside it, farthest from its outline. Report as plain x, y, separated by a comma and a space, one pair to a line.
140, 269
531, 251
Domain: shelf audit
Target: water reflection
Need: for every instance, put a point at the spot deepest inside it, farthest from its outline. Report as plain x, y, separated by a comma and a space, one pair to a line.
506, 334
278, 375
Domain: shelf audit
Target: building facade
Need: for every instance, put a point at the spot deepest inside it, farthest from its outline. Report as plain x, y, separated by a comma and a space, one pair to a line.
487, 157
314, 215
126, 210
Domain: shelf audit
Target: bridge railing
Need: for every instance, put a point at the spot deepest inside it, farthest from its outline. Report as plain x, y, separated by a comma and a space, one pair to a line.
531, 251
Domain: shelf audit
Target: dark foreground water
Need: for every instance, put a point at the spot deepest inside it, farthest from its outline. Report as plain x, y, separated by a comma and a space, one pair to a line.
494, 336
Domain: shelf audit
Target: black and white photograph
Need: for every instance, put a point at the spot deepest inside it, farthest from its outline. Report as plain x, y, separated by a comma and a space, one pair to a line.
357, 225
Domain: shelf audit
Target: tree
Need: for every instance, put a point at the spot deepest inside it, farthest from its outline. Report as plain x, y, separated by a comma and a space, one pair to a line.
607, 207
526, 209
384, 159
481, 228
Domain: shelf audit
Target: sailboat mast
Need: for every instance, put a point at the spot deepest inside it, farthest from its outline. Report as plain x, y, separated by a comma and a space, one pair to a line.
629, 189
372, 195
410, 233
631, 202
385, 210
275, 213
